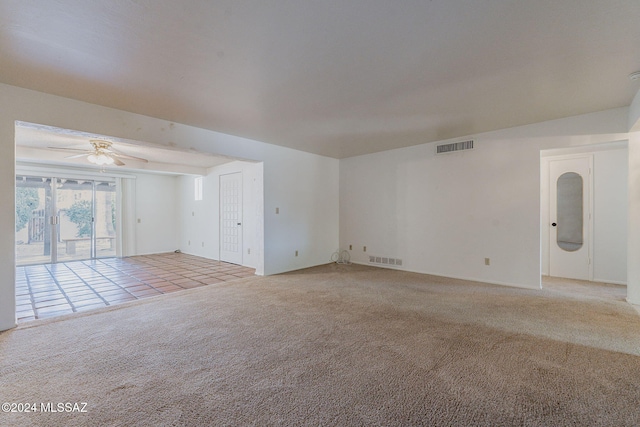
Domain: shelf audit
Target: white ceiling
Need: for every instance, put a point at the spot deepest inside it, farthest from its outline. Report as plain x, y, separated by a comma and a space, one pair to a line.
333, 77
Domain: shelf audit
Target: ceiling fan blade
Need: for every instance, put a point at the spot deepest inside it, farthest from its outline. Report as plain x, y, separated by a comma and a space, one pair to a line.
70, 149
126, 156
117, 162
77, 156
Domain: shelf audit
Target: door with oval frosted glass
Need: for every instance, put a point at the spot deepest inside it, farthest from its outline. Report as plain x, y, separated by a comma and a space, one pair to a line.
570, 218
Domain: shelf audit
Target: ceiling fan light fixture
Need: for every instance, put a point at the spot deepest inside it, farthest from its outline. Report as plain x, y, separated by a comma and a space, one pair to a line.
102, 154
100, 159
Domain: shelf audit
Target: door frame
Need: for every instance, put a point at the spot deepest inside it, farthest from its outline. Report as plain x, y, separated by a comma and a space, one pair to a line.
546, 218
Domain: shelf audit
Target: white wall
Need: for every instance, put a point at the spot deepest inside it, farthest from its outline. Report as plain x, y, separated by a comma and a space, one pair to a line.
634, 114
303, 185
304, 188
633, 242
198, 235
199, 220
633, 248
156, 213
610, 170
7, 221
445, 214
610, 216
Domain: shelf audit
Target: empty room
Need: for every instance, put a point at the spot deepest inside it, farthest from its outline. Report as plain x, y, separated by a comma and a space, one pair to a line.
320, 213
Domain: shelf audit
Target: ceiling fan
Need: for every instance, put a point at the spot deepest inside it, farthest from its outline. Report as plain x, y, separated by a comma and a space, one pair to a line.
103, 154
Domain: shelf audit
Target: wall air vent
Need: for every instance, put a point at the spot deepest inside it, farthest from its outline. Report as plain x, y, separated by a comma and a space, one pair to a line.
455, 146
384, 260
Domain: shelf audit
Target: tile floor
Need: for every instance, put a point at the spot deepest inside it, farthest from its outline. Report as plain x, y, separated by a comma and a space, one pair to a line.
49, 290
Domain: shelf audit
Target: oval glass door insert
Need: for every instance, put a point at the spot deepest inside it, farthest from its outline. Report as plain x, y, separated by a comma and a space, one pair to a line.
569, 236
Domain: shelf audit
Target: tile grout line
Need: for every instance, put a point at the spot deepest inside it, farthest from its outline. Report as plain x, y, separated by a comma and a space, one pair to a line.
147, 266
148, 272
198, 265
55, 280
133, 277
120, 270
108, 278
143, 265
88, 285
31, 298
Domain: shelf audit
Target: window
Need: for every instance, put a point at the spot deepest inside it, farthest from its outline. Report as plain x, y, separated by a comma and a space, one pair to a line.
197, 184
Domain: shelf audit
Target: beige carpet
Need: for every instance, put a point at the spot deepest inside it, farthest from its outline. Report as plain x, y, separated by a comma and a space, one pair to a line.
338, 346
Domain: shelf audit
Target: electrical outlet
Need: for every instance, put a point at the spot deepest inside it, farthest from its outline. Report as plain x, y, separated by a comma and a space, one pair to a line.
350, 247
277, 210
364, 249
193, 214
296, 253
487, 261
248, 251
189, 242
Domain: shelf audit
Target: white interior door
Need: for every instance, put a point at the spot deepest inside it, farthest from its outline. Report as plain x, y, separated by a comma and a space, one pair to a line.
570, 217
231, 218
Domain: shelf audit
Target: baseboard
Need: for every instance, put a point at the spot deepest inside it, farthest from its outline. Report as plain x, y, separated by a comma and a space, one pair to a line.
635, 303
8, 325
469, 279
388, 267
612, 282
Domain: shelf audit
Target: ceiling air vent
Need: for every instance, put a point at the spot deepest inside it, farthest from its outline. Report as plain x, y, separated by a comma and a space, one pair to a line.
456, 146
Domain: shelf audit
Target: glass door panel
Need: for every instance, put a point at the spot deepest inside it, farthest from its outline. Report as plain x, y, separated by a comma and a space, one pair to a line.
33, 220
105, 219
569, 212
75, 211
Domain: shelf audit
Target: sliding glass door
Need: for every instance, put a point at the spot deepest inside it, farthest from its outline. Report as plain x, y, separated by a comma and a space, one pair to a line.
105, 219
33, 226
62, 219
74, 209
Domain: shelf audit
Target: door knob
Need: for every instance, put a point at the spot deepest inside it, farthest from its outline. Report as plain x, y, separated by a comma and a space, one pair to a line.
553, 224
